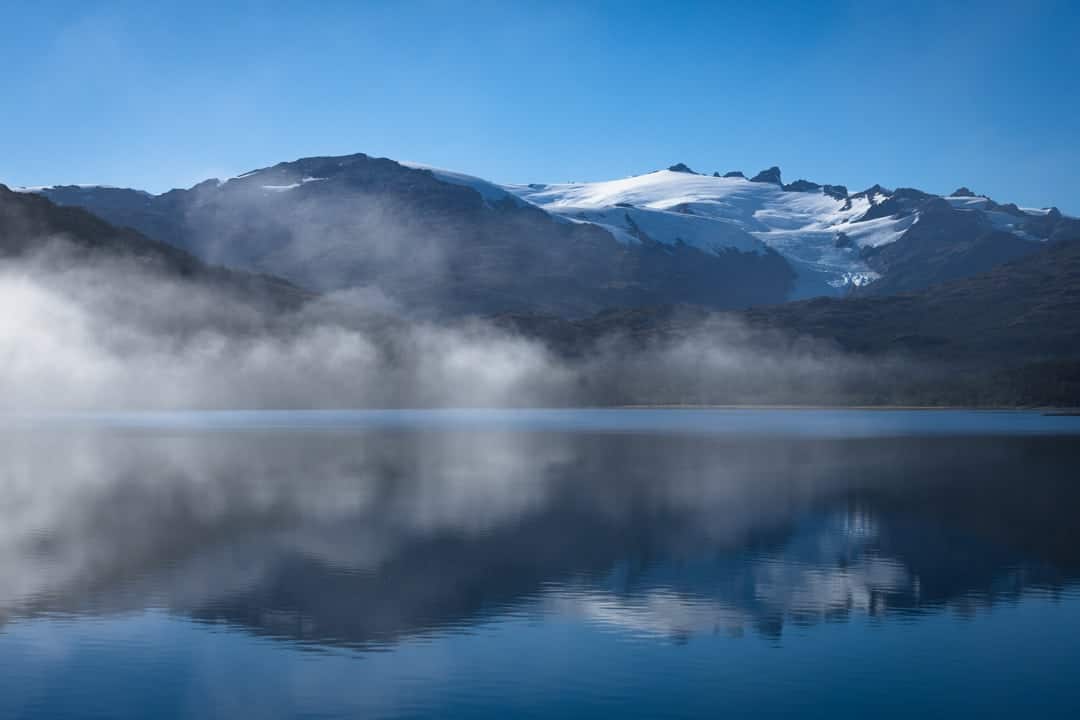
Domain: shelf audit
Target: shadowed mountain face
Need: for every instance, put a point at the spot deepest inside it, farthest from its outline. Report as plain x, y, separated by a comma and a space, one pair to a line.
32, 227
1007, 336
948, 244
1027, 309
431, 245
365, 539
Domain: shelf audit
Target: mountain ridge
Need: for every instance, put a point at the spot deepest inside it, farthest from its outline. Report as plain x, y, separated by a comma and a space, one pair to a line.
671, 235
431, 239
31, 226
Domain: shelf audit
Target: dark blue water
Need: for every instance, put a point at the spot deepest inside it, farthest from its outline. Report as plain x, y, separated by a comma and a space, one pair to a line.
630, 563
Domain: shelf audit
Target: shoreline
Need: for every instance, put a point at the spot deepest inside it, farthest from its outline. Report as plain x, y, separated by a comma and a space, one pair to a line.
1046, 410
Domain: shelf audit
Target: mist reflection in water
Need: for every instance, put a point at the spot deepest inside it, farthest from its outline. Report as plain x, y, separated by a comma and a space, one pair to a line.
424, 542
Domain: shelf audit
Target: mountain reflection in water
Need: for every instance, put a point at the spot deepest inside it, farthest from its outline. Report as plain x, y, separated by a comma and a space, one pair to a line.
540, 564
363, 539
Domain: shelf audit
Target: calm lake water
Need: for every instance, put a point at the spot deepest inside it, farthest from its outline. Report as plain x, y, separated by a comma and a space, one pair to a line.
495, 564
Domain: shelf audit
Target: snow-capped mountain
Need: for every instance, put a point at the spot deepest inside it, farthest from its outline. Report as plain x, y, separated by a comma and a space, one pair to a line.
431, 240
836, 241
443, 238
828, 235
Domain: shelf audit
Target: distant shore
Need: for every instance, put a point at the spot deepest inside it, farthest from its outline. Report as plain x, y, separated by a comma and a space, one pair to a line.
987, 408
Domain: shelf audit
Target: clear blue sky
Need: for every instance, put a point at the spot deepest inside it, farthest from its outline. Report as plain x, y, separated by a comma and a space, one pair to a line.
932, 95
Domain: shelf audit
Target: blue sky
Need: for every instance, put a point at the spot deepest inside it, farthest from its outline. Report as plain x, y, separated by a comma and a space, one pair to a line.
931, 95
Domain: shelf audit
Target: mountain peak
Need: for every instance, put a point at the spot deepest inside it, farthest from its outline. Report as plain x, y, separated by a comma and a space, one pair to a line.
734, 173
962, 192
875, 189
769, 175
682, 168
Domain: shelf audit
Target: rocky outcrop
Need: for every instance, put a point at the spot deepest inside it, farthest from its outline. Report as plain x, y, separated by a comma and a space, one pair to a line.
769, 175
802, 186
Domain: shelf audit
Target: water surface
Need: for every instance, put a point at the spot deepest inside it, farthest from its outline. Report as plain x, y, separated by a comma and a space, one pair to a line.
633, 563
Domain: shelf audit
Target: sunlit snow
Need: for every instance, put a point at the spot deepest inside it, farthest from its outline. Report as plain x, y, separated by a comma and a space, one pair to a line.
290, 186
731, 213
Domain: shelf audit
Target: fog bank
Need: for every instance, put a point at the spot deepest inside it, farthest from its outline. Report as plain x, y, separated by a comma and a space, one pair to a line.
112, 335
